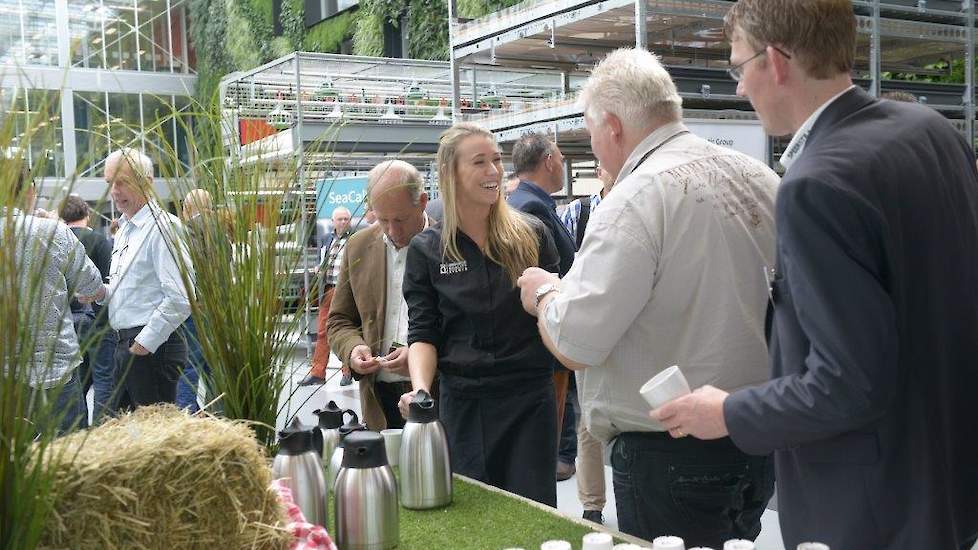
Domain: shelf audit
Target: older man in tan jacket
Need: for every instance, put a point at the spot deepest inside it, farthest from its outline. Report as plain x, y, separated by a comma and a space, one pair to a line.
368, 319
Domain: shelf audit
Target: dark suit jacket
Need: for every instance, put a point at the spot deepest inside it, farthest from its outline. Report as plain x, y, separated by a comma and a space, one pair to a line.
535, 201
874, 342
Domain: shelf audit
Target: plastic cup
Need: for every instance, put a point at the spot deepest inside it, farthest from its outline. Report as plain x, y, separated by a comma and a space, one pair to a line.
668, 543
597, 541
392, 441
664, 387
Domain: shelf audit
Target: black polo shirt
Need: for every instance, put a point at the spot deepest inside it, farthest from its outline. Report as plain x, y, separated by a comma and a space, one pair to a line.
471, 312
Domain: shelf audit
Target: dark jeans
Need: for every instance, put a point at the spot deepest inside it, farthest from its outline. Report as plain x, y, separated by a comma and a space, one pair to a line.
107, 385
66, 400
152, 378
567, 446
389, 394
706, 492
84, 326
187, 387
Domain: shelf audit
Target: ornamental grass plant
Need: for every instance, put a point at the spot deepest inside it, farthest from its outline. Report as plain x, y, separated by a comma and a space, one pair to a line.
29, 418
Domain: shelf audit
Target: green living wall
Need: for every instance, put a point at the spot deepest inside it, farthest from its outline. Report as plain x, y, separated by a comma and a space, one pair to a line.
237, 35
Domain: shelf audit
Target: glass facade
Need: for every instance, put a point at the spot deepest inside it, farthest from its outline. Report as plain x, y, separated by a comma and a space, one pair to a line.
156, 124
30, 122
48, 50
128, 35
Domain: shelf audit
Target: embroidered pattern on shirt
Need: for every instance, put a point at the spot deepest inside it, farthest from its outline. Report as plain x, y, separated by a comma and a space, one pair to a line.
452, 268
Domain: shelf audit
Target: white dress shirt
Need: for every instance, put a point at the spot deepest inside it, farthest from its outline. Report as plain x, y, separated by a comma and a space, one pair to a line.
145, 284
396, 309
669, 273
797, 143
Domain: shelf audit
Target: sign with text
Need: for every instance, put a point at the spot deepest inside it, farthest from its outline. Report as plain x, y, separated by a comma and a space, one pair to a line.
746, 136
350, 192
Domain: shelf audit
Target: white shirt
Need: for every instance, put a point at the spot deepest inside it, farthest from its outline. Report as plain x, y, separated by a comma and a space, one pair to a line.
145, 285
669, 273
396, 309
797, 143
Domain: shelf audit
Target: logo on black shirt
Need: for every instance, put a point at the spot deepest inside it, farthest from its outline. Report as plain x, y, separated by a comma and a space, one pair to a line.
457, 267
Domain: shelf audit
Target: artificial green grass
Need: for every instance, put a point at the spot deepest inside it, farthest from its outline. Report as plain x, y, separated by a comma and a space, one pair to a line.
481, 519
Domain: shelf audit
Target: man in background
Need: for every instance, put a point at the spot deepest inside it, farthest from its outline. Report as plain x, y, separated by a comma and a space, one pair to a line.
97, 366
147, 297
331, 257
539, 169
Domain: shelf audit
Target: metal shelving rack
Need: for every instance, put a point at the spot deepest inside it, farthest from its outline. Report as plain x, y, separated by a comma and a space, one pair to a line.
336, 115
567, 37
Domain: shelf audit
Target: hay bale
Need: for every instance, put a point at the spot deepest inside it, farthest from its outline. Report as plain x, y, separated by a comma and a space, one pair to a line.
161, 479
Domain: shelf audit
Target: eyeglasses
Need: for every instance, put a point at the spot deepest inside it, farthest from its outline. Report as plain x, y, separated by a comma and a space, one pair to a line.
737, 71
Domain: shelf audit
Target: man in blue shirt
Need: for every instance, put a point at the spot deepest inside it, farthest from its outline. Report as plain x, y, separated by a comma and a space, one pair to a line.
539, 165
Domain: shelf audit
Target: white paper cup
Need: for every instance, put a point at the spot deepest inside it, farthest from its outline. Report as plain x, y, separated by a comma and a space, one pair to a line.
392, 441
738, 544
597, 541
668, 542
556, 545
701, 548
813, 546
664, 387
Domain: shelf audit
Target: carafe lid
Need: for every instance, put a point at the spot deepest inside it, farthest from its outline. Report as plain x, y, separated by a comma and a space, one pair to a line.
330, 416
422, 408
295, 439
364, 449
353, 425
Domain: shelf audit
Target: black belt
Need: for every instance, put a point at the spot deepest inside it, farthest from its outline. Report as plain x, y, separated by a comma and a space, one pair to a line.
134, 331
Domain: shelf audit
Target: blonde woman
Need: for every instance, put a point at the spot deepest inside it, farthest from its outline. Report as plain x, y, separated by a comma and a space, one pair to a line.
466, 322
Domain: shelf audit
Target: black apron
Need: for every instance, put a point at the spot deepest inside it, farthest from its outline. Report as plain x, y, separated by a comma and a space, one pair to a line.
508, 441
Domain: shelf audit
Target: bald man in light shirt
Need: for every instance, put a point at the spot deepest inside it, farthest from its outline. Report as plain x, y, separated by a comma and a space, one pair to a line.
146, 294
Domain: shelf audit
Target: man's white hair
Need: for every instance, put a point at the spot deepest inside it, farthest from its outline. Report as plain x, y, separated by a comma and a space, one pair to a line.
340, 210
631, 84
141, 164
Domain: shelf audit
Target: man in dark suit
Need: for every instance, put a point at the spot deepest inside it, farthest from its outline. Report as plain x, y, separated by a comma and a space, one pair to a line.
539, 166
874, 327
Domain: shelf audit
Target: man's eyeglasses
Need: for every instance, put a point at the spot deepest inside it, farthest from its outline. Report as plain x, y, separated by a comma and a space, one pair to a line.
737, 71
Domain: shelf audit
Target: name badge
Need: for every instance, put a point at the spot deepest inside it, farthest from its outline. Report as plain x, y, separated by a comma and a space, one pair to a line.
456, 267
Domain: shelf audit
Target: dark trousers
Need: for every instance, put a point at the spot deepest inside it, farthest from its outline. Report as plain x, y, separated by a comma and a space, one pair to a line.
388, 395
508, 441
84, 326
567, 444
152, 378
195, 369
706, 492
58, 409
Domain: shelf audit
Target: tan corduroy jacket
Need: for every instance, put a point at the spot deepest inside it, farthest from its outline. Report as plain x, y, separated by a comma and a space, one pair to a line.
357, 313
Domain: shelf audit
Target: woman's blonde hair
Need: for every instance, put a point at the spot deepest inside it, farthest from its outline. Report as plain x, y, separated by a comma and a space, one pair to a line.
511, 241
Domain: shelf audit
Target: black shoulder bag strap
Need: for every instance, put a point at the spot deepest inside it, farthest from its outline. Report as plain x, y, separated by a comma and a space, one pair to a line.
582, 220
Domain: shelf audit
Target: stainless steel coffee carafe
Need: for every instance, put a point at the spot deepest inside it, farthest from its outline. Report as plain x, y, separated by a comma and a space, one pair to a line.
330, 421
336, 459
365, 495
300, 464
426, 471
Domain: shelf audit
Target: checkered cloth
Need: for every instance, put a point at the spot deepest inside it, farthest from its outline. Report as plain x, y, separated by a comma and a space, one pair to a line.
307, 536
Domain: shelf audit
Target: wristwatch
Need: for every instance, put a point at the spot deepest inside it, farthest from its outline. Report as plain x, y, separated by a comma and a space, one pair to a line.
543, 290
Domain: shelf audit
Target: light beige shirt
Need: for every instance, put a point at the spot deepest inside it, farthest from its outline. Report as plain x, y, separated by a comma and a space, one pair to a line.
670, 273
